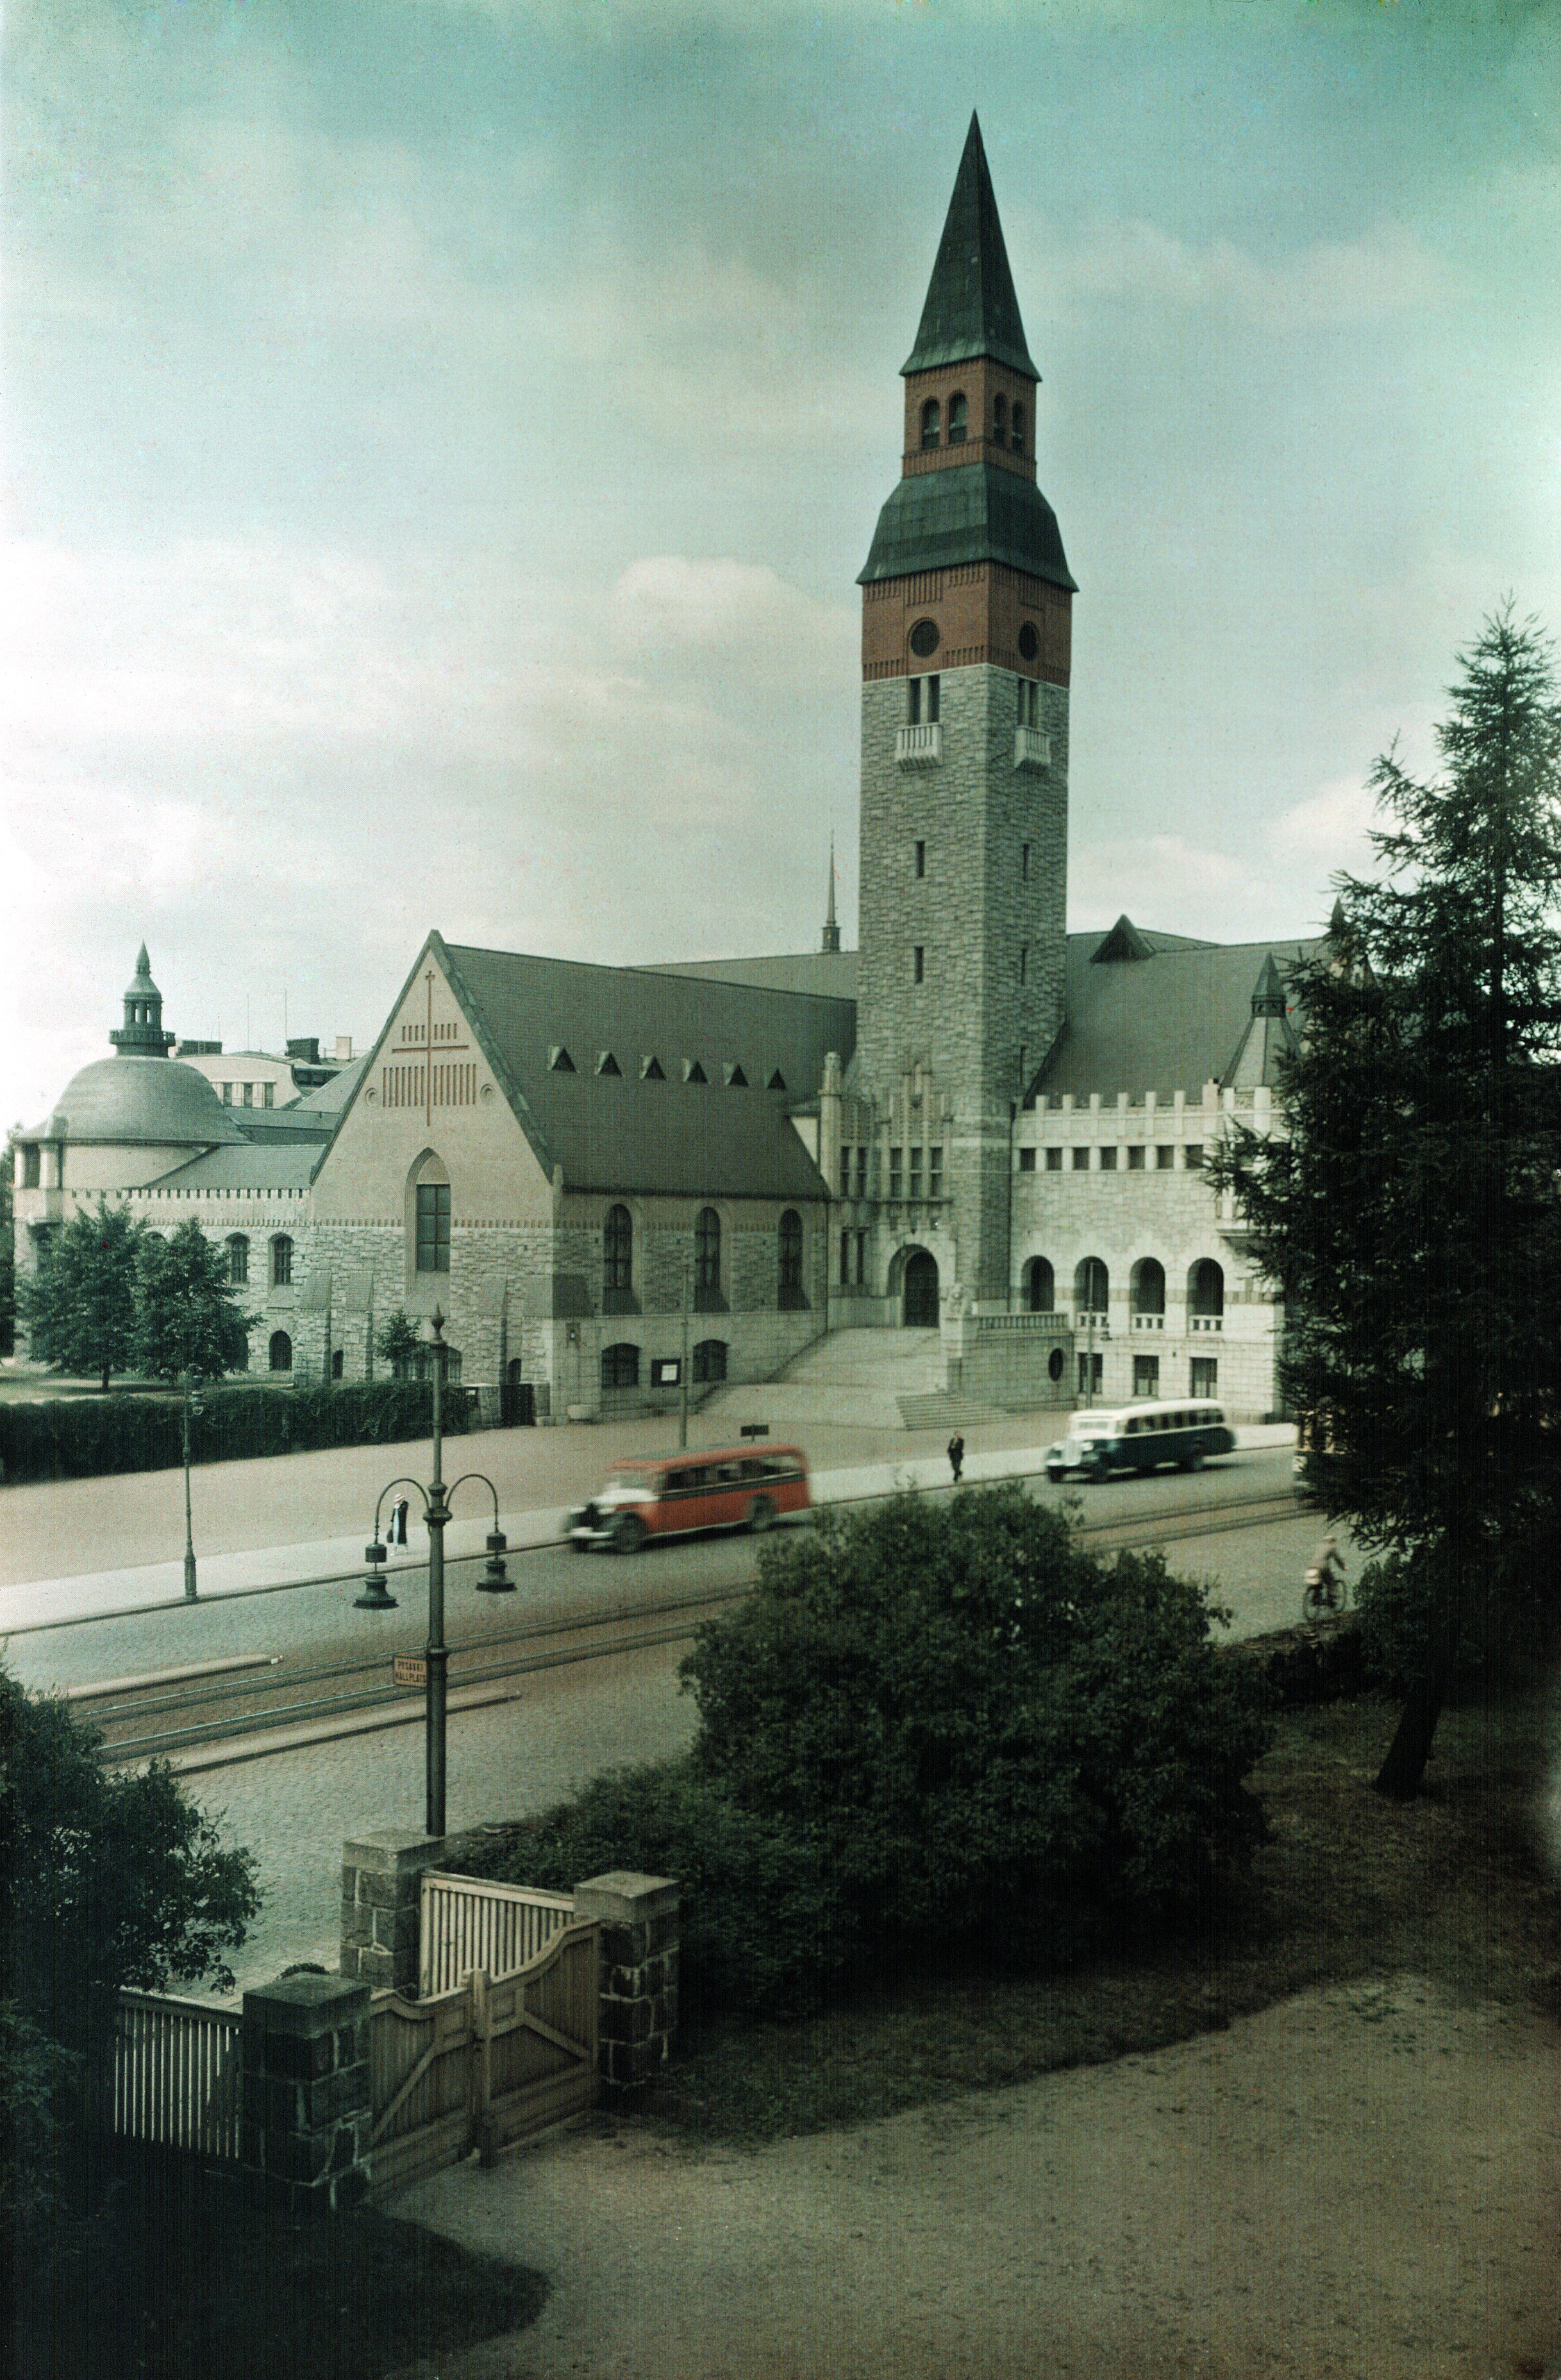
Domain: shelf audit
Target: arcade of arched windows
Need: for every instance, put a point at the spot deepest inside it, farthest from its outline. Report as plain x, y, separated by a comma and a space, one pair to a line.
1148, 1299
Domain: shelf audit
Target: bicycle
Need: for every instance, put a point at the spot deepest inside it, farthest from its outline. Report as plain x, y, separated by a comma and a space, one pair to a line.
1326, 1593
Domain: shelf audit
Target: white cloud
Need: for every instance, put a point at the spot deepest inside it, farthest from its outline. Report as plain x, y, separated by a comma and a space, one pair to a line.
1388, 270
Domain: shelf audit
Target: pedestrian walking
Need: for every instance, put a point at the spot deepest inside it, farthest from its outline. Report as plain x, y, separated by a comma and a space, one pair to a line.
957, 1457
399, 1511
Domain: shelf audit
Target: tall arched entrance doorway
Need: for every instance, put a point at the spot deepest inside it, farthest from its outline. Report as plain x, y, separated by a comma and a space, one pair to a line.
921, 1291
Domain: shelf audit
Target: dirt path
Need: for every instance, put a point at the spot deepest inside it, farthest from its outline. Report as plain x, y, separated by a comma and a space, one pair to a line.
1363, 2183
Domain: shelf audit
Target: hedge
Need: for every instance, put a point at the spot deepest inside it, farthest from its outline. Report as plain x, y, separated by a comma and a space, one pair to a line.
81, 1437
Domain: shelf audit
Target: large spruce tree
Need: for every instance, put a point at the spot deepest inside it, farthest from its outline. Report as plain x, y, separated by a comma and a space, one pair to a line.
1412, 1219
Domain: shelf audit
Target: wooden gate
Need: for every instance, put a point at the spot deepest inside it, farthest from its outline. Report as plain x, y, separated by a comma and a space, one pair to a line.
463, 1924
486, 2064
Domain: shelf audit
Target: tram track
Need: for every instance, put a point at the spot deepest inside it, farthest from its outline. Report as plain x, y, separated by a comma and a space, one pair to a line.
171, 1717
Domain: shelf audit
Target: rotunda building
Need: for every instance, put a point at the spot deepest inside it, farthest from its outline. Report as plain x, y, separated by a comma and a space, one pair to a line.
120, 1123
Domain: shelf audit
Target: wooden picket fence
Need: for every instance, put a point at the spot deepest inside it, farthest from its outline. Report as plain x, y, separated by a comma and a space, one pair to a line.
179, 2074
482, 2060
464, 1924
486, 2064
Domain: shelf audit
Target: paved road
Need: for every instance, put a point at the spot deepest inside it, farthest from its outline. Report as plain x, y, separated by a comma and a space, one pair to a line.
563, 1726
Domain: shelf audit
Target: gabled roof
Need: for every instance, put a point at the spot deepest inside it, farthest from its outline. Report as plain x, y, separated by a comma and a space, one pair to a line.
631, 1130
637, 1129
831, 974
1172, 1020
971, 309
229, 1173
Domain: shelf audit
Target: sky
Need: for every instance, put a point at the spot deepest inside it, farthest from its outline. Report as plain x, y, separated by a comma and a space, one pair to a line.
439, 444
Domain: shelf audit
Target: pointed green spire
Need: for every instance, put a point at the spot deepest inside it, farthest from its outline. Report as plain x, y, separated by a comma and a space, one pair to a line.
971, 309
1268, 992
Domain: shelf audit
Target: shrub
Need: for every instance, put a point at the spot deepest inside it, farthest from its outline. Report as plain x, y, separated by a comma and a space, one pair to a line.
976, 1726
763, 1925
80, 1437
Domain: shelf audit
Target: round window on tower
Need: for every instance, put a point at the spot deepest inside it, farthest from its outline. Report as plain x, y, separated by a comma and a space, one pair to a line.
1029, 643
923, 640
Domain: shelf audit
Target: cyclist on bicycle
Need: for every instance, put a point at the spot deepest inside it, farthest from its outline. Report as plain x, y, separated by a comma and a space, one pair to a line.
1325, 1580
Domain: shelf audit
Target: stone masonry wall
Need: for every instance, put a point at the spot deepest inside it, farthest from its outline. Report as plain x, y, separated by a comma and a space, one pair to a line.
1123, 1213
988, 915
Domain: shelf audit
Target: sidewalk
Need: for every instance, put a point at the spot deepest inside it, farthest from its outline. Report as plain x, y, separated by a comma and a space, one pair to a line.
56, 1539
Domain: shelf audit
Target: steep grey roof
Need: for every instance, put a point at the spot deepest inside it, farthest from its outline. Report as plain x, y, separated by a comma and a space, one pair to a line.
128, 1101
275, 1127
629, 1130
1169, 1022
327, 1100
230, 1172
974, 512
971, 309
831, 973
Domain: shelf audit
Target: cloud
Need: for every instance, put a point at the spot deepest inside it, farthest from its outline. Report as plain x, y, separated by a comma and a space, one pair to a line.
1327, 831
1388, 270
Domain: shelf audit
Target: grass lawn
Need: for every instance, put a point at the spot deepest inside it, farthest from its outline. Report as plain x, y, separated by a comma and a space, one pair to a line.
181, 2280
1454, 1887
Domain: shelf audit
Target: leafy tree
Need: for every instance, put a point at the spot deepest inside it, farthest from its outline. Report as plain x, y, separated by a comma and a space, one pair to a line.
187, 1315
106, 1878
975, 1723
1410, 1219
81, 1304
396, 1342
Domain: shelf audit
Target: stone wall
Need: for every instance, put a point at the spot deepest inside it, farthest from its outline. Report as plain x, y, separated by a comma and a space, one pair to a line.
988, 915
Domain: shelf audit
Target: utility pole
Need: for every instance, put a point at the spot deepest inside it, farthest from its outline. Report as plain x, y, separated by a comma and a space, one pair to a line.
683, 1367
437, 1651
189, 1535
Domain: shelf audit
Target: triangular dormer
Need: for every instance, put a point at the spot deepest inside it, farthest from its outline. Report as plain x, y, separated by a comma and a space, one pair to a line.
1123, 942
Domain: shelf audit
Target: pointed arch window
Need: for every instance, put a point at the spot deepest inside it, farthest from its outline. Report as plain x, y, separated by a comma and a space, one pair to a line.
792, 1298
999, 420
433, 1227
617, 1258
931, 424
706, 1261
282, 1262
1018, 421
958, 419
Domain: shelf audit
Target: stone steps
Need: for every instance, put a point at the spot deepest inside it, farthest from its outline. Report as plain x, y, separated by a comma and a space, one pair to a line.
943, 1409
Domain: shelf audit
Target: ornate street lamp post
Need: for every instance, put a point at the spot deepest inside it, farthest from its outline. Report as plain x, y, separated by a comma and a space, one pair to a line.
189, 1534
495, 1580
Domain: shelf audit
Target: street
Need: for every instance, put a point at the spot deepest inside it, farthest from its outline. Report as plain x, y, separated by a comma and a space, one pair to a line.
558, 1727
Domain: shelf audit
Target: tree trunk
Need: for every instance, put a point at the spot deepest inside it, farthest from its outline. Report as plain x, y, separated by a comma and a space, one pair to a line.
105, 1373
1400, 1774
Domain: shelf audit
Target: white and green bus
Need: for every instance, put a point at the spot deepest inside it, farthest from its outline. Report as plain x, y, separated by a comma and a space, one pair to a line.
1139, 1437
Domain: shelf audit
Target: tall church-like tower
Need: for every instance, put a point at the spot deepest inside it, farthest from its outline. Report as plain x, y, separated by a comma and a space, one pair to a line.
965, 630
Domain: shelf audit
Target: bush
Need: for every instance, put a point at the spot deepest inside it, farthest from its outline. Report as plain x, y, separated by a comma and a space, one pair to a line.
977, 1726
81, 1438
763, 1927
931, 1725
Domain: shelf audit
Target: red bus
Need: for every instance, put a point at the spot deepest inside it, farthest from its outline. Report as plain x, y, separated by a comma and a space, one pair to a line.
698, 1487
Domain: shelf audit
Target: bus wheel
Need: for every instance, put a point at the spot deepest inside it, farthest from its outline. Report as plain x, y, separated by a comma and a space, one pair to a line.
628, 1534
1194, 1461
761, 1514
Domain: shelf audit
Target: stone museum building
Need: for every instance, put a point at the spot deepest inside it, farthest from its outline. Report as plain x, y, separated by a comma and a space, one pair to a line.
978, 1127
